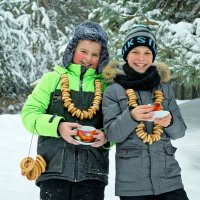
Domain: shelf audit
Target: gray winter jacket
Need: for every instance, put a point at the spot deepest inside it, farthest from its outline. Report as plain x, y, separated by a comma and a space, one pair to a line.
142, 169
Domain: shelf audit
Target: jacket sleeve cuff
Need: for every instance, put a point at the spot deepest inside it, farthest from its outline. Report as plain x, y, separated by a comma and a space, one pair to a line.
47, 125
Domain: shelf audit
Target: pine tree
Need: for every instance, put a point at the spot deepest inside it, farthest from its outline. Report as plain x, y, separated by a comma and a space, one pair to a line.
27, 48
177, 50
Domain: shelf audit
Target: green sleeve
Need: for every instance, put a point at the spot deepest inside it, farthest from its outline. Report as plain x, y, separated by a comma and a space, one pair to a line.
33, 114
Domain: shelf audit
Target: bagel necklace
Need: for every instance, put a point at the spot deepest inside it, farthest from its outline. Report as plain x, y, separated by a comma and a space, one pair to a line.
155, 136
70, 106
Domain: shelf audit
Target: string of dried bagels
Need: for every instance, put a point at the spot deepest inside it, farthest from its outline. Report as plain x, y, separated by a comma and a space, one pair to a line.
155, 136
70, 106
31, 168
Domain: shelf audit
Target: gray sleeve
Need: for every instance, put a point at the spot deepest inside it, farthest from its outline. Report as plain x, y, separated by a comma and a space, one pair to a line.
118, 123
177, 128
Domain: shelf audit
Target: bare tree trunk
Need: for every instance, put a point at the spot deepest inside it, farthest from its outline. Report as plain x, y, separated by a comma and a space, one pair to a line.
194, 92
182, 92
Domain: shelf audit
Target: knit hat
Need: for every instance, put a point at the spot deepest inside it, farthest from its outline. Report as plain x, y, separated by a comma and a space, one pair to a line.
140, 35
88, 31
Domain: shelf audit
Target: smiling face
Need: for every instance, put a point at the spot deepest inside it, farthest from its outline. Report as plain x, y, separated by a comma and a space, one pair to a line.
140, 58
87, 53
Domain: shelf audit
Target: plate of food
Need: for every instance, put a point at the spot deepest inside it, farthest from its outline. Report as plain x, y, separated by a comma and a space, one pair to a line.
78, 139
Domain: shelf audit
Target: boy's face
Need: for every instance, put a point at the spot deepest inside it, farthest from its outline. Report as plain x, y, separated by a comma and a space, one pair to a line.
87, 53
140, 58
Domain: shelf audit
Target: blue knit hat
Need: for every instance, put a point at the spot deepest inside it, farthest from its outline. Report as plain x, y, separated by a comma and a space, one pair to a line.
88, 31
140, 35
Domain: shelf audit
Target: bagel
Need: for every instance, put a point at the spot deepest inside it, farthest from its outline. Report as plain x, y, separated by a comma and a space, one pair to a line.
31, 168
26, 165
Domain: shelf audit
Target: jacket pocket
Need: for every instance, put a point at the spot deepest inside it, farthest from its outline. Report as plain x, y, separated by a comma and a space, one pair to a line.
172, 167
129, 164
52, 149
97, 161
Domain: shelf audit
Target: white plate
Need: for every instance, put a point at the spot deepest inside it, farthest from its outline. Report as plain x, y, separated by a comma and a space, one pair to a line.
160, 114
85, 143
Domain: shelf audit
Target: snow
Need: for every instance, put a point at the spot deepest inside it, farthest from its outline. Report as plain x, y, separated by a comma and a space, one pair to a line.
15, 144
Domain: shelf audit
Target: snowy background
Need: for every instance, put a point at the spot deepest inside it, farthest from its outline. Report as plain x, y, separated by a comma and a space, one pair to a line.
15, 143
34, 35
32, 40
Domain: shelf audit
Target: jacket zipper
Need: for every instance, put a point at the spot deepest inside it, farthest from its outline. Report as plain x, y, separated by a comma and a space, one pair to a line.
76, 165
81, 88
76, 147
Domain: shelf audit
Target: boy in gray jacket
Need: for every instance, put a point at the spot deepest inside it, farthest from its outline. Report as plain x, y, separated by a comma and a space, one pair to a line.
141, 116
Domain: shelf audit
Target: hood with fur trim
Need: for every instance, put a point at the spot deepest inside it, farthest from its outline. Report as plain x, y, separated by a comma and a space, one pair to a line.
114, 68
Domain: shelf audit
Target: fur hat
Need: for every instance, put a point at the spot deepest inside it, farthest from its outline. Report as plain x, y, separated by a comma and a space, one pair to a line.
140, 35
88, 31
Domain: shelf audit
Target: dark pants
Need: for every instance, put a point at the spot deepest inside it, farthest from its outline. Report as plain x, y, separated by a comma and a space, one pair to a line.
179, 194
55, 189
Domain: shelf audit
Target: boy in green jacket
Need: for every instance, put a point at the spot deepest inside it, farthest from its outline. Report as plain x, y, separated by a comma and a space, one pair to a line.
63, 101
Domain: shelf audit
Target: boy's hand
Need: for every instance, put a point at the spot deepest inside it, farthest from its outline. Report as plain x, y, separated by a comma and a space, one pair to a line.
101, 137
67, 130
165, 121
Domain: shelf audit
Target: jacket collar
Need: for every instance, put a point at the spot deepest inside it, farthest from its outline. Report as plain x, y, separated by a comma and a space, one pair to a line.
75, 69
113, 68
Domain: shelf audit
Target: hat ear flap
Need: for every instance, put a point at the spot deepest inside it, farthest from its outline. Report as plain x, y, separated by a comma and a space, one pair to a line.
68, 53
103, 61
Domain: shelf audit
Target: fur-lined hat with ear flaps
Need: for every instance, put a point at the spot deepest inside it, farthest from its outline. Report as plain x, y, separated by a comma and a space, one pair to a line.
88, 31
113, 68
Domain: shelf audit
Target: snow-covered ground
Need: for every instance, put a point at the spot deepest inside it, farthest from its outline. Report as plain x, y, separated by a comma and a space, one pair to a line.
15, 143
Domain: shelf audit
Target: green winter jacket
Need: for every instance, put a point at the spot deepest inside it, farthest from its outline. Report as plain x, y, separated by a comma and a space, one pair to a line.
42, 113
